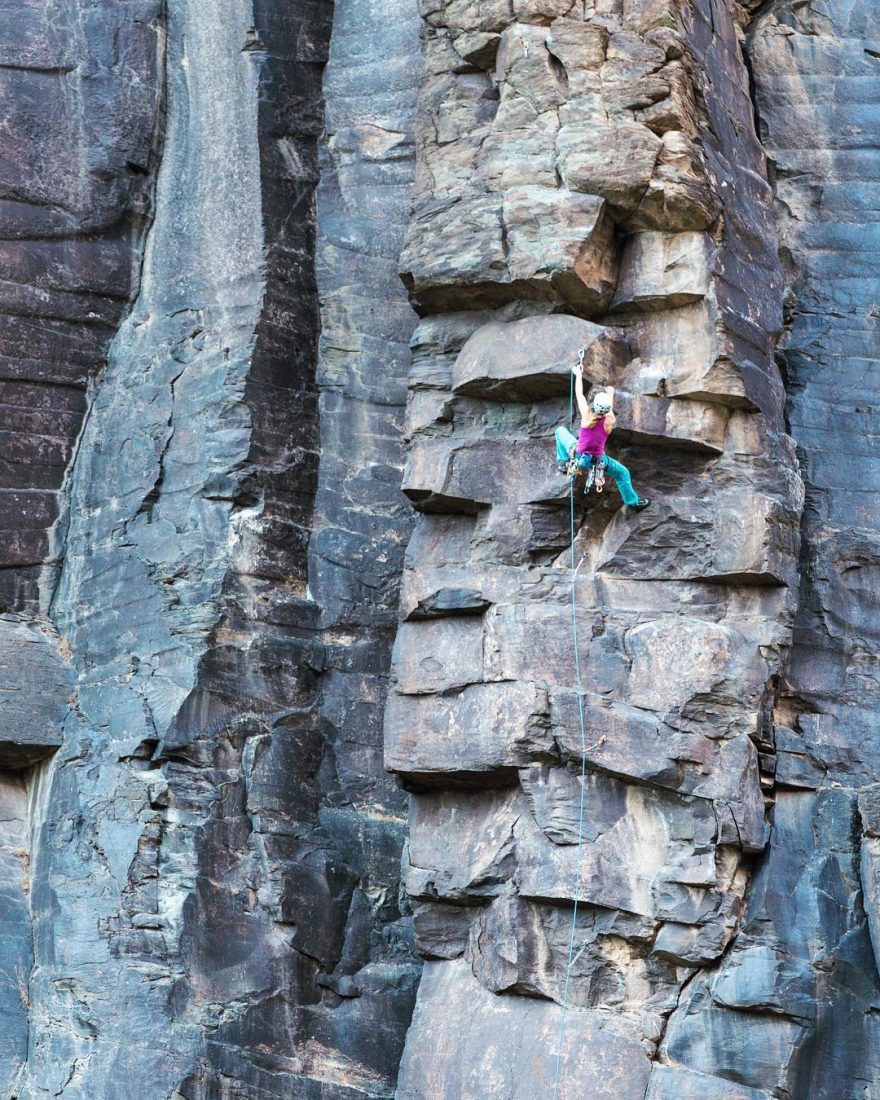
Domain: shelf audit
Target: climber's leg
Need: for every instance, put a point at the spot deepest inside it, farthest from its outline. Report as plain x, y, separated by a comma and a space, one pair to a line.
622, 479
565, 441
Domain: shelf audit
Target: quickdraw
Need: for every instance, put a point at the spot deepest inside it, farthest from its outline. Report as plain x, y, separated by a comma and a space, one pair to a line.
594, 469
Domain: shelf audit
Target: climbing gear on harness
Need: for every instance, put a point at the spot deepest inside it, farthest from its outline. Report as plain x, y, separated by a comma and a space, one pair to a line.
594, 469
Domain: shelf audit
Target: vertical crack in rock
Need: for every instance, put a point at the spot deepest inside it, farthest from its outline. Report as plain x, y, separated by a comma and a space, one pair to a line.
216, 848
528, 241
362, 520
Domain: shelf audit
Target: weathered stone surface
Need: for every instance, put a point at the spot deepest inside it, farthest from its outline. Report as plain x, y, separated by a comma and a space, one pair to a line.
215, 848
444, 476
663, 270
533, 242
584, 163
684, 611
678, 1083
201, 888
506, 1046
483, 730
532, 358
81, 98
36, 694
16, 947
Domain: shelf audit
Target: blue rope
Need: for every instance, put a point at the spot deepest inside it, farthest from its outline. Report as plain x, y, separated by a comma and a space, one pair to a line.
580, 696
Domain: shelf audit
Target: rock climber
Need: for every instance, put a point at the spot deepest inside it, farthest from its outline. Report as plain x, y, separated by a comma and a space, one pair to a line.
588, 450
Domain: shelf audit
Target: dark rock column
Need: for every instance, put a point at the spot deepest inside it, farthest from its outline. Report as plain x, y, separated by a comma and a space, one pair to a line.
80, 90
798, 990
216, 846
361, 519
80, 95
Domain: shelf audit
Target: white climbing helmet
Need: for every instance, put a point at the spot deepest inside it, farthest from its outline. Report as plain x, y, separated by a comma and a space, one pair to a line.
602, 403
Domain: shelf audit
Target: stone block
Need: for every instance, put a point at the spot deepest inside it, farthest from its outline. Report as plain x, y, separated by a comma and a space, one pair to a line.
581, 49
441, 931
693, 425
506, 1046
697, 354
677, 660
477, 48
644, 851
535, 10
536, 243
663, 270
524, 64
741, 535
450, 601
484, 730
679, 196
755, 1049
466, 15
681, 1083
461, 845
444, 475
439, 655
692, 944
512, 534
531, 359
38, 686
519, 149
762, 978
561, 240
584, 163
509, 951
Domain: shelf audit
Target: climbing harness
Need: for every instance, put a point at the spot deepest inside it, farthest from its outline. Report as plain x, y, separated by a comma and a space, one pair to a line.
595, 473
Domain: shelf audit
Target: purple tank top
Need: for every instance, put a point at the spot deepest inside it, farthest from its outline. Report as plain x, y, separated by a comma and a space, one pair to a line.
591, 441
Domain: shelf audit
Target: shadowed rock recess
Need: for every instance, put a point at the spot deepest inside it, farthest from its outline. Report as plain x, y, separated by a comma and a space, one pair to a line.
291, 757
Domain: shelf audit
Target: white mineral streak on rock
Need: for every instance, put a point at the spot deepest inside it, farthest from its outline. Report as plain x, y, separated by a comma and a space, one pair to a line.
143, 516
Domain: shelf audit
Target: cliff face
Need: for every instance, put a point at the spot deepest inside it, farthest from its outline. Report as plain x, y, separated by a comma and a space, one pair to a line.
209, 896
266, 267
682, 612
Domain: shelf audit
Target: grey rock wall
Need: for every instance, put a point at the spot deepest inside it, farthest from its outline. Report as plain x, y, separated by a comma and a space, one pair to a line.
624, 915
212, 856
290, 297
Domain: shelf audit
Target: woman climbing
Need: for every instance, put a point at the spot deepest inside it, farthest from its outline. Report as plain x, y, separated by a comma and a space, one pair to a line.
588, 450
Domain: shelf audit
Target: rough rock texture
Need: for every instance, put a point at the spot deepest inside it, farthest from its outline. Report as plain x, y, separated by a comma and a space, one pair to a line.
684, 611
279, 715
80, 92
200, 890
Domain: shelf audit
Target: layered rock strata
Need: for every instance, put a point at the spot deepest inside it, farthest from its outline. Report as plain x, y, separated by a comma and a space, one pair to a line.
201, 887
587, 179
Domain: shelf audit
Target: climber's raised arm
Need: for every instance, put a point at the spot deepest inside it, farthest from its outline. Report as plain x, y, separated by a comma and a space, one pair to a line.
583, 404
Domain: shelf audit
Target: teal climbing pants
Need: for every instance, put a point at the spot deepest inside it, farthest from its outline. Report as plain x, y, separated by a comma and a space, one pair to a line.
565, 444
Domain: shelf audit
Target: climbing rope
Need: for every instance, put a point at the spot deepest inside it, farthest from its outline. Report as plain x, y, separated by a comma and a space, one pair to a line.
580, 697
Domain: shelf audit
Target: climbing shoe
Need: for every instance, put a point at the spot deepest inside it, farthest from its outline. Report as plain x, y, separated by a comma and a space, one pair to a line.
639, 505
